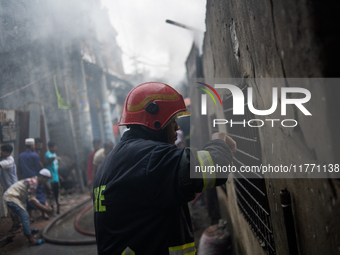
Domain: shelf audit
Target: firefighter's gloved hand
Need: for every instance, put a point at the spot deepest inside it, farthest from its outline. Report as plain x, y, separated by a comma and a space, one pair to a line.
222, 136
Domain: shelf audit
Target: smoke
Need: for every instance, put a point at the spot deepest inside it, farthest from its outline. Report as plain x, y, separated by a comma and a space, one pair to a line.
151, 44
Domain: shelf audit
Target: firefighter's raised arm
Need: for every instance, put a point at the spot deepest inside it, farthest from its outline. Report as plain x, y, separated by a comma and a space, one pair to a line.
231, 143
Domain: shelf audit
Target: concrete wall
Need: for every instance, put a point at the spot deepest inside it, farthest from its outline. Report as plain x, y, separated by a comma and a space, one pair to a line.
282, 39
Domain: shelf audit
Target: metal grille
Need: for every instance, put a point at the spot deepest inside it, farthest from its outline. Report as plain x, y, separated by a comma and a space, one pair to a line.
251, 190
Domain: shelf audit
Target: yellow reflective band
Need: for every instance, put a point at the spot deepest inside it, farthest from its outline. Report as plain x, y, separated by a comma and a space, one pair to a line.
204, 174
102, 208
188, 249
148, 99
181, 247
205, 161
128, 251
211, 162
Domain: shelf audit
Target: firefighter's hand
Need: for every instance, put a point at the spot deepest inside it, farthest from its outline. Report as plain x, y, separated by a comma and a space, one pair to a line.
231, 143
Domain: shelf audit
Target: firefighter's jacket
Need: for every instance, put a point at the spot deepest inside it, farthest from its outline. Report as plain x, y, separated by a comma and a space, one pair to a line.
141, 193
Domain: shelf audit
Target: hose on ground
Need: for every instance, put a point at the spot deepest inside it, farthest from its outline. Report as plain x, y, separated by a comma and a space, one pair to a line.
66, 241
82, 231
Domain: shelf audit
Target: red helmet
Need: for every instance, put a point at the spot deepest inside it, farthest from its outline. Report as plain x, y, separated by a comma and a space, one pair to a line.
152, 104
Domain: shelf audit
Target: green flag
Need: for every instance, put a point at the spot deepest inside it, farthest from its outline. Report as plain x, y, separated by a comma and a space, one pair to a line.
61, 102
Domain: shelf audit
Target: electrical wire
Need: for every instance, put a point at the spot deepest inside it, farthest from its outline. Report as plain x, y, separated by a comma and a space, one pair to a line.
26, 86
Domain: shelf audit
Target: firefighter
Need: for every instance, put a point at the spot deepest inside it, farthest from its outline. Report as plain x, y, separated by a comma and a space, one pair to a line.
142, 188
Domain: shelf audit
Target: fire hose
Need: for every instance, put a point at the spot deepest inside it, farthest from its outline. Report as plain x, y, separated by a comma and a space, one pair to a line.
82, 231
67, 241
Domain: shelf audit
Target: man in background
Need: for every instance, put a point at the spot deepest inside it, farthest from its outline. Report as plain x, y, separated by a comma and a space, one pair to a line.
100, 156
96, 146
28, 161
9, 177
39, 146
52, 164
7, 166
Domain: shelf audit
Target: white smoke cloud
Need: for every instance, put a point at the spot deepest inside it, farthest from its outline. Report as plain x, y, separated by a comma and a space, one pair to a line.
150, 44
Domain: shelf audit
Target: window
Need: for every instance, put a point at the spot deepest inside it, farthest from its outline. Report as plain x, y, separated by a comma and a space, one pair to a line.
250, 187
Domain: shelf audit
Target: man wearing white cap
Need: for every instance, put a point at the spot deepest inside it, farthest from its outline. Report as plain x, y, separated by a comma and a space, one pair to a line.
28, 161
15, 199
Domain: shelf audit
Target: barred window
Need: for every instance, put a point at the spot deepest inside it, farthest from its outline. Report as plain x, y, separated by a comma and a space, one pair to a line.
251, 190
